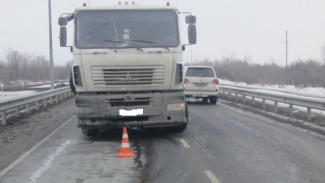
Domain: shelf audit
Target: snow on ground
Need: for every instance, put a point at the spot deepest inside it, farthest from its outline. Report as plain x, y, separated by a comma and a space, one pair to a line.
309, 92
9, 95
14, 94
49, 85
290, 88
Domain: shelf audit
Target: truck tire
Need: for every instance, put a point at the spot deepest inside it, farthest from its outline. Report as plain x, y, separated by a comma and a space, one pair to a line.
186, 111
90, 132
213, 99
177, 129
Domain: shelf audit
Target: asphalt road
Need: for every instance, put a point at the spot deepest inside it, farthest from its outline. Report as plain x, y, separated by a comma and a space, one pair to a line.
221, 145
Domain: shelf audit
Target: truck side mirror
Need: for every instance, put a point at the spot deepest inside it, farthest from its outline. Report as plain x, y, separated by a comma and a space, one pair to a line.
190, 19
65, 18
63, 36
63, 21
192, 34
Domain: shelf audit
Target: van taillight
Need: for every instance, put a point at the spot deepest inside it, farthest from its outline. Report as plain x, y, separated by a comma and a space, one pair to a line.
186, 81
215, 81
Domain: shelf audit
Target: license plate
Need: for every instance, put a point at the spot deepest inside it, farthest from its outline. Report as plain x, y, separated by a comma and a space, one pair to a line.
200, 84
133, 112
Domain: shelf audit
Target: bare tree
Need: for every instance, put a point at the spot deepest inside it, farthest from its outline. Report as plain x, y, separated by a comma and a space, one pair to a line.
323, 60
27, 67
13, 61
299, 73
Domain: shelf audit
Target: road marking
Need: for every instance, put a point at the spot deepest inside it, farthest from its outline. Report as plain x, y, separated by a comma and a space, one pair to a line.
38, 173
30, 151
185, 144
211, 176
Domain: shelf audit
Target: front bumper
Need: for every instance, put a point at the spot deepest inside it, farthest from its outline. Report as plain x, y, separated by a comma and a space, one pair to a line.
103, 110
200, 94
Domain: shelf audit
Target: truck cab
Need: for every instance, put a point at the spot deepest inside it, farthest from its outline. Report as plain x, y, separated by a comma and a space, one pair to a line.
127, 66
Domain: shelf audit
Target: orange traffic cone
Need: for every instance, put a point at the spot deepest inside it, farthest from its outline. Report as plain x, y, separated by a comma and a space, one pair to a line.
125, 147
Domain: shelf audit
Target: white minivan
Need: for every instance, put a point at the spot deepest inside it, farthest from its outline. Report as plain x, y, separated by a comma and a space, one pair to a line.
201, 82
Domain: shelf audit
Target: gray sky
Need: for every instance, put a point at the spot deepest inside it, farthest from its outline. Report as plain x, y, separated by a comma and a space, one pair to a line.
252, 29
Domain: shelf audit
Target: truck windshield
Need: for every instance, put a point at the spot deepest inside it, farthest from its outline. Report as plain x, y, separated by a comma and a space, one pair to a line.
126, 29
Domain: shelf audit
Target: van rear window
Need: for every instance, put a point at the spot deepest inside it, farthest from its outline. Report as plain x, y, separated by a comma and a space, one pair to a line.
199, 72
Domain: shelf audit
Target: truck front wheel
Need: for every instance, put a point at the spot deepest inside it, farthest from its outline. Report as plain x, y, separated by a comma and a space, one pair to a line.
90, 132
177, 129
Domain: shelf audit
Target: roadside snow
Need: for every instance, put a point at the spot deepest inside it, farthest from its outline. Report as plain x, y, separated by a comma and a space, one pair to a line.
310, 91
14, 94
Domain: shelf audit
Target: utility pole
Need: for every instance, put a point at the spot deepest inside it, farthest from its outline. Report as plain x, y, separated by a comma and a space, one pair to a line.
51, 46
191, 55
286, 48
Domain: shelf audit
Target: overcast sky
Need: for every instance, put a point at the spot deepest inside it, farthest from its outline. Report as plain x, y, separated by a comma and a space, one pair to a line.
253, 29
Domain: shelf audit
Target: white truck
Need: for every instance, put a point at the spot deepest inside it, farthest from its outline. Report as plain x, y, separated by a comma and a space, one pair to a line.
127, 66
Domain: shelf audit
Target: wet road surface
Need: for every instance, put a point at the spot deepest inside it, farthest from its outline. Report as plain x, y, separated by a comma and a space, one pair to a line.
221, 145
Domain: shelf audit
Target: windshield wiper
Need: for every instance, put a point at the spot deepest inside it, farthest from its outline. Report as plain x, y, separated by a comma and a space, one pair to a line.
121, 42
113, 41
151, 42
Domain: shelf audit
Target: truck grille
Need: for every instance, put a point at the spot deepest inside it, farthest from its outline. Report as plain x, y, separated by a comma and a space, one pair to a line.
139, 101
127, 75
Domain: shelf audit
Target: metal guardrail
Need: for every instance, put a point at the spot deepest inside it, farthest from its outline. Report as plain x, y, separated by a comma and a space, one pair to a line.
281, 90
310, 103
31, 102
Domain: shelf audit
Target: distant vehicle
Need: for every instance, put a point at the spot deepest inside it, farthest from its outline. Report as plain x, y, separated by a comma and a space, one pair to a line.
201, 82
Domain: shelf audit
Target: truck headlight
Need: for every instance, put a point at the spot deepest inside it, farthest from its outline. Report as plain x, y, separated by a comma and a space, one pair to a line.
175, 107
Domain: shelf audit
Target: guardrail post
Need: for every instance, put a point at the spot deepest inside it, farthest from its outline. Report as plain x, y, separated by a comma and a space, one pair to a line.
253, 100
44, 103
263, 104
229, 95
308, 113
290, 109
27, 108
51, 100
275, 106
236, 99
17, 111
244, 99
37, 105
56, 99
3, 118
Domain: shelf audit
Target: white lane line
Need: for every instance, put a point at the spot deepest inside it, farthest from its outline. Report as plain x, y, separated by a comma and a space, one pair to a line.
211, 176
38, 173
185, 144
27, 153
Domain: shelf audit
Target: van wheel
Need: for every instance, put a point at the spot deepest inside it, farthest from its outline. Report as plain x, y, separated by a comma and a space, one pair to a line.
186, 111
213, 99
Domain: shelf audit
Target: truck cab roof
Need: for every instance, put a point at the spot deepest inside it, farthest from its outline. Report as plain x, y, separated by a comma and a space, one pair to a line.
127, 7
